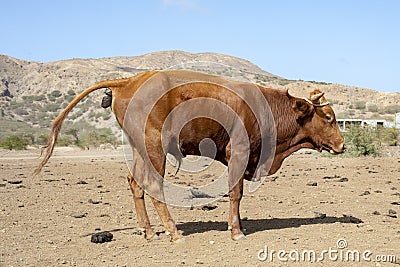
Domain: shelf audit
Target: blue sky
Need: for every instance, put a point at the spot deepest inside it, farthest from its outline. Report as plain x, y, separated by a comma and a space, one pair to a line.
348, 42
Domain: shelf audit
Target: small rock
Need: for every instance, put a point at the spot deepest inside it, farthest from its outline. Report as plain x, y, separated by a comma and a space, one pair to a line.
82, 182
15, 182
378, 191
198, 261
352, 219
94, 201
344, 179
198, 194
78, 215
212, 242
376, 213
331, 177
208, 207
312, 184
319, 214
365, 193
395, 203
392, 213
138, 232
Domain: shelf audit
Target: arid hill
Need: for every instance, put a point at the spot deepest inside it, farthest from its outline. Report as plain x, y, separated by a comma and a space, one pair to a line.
34, 92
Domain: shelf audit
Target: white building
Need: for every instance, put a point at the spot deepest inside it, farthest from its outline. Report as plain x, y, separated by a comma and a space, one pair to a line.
343, 123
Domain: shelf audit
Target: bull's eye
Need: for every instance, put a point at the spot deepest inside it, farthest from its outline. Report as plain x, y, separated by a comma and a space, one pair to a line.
328, 117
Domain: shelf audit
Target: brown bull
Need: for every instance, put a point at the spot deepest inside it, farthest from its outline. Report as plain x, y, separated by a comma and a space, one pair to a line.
240, 118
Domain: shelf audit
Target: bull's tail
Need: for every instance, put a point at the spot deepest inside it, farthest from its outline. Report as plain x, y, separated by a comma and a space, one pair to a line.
56, 125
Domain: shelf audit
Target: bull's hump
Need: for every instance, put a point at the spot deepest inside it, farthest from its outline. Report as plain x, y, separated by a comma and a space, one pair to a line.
179, 77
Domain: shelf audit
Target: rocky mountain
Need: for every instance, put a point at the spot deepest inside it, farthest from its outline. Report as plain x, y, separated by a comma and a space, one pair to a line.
35, 92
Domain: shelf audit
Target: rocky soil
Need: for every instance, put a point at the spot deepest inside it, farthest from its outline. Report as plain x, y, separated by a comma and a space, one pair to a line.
339, 205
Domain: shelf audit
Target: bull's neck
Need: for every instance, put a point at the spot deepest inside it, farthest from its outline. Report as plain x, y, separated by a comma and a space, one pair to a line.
289, 135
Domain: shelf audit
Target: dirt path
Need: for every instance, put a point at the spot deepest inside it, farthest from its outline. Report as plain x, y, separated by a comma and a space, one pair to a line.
310, 205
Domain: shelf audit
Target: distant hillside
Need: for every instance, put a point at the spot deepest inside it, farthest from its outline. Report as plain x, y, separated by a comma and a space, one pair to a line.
34, 92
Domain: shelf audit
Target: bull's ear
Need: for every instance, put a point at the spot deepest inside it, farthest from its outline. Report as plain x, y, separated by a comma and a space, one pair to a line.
302, 108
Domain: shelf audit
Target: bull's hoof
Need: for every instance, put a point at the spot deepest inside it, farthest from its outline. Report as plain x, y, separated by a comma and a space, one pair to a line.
152, 237
180, 240
238, 237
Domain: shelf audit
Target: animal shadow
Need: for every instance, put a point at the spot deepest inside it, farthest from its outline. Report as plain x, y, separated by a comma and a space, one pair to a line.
258, 225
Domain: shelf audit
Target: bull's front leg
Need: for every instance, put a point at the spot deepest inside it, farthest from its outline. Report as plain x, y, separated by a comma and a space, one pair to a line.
234, 222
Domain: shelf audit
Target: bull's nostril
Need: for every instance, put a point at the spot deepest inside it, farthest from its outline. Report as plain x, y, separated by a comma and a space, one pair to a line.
344, 147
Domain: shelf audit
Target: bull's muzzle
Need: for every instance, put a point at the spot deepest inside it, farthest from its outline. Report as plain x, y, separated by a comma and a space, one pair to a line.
339, 149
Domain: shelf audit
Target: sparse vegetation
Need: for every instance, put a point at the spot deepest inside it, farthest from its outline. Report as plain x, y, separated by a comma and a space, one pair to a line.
362, 141
392, 109
56, 93
14, 142
360, 105
373, 108
18, 135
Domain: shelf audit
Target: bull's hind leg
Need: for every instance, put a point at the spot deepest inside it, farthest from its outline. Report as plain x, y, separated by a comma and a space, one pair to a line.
167, 220
234, 222
138, 200
158, 198
235, 181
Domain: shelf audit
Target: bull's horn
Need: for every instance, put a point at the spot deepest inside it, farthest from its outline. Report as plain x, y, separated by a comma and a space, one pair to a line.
316, 97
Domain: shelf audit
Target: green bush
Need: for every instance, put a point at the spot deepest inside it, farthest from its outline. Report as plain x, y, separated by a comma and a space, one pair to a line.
373, 108
69, 98
96, 137
42, 139
40, 98
392, 109
71, 92
390, 136
360, 105
14, 142
51, 107
362, 141
56, 93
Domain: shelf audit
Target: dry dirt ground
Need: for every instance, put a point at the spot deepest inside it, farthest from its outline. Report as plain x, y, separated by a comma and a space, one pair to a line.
338, 208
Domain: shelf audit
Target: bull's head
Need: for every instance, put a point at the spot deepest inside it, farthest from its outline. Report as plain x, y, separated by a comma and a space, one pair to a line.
318, 123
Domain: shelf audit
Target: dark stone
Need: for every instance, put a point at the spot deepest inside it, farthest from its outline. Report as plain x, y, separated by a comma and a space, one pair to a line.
15, 182
365, 193
101, 237
208, 207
